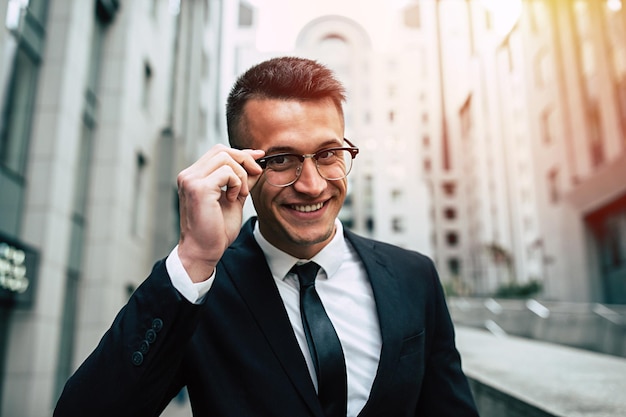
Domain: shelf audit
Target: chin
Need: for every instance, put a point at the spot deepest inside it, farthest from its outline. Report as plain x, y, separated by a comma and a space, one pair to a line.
309, 239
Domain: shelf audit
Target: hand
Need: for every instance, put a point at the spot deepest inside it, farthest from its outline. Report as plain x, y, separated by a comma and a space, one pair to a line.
211, 195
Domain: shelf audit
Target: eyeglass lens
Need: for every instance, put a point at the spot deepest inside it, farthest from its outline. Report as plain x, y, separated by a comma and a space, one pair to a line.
332, 164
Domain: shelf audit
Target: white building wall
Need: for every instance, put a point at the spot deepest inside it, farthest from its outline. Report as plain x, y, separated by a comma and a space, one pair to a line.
388, 194
134, 120
119, 253
452, 87
34, 334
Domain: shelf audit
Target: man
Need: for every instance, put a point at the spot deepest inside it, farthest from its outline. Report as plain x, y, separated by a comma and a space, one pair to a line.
226, 315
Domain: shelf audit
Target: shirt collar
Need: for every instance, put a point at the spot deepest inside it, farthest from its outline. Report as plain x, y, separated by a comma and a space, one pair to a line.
329, 258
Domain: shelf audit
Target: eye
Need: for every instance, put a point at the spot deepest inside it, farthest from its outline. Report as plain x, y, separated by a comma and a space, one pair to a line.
282, 162
326, 156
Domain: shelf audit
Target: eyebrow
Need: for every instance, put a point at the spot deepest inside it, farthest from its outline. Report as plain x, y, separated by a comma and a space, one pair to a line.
331, 143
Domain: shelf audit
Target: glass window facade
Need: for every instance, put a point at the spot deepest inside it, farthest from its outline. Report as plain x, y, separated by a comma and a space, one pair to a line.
23, 50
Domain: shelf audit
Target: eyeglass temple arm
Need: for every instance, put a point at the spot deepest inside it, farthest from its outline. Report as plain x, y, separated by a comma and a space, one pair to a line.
354, 151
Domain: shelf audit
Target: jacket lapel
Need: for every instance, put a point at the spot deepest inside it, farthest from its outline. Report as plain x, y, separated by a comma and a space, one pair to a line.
246, 266
387, 295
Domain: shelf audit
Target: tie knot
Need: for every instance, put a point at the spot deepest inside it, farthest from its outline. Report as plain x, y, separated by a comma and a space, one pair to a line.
306, 273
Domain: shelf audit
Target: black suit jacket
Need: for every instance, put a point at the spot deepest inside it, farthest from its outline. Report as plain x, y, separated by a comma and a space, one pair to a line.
238, 356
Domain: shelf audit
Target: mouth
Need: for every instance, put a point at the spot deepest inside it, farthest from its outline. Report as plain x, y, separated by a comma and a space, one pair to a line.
307, 208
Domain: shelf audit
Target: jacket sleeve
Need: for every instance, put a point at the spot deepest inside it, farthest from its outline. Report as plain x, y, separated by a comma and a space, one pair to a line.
445, 389
134, 370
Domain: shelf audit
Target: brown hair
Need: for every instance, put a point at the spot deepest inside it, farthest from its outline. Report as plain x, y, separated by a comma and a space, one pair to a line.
286, 78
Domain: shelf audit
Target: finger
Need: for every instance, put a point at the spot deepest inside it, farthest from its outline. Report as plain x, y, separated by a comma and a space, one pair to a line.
253, 169
195, 189
249, 161
242, 162
232, 184
228, 170
250, 170
244, 157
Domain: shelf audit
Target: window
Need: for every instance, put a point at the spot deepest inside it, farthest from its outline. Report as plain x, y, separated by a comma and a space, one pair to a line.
596, 146
428, 166
17, 98
397, 224
17, 114
105, 10
412, 17
465, 114
335, 44
449, 188
608, 225
147, 78
246, 15
488, 20
454, 266
452, 238
547, 126
396, 194
553, 185
138, 193
449, 213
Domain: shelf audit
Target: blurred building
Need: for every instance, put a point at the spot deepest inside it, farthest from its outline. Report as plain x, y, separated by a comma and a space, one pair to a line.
499, 150
388, 198
102, 103
512, 113
485, 206
576, 75
534, 121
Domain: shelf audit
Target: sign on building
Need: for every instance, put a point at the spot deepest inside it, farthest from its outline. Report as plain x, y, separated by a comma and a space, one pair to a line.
18, 272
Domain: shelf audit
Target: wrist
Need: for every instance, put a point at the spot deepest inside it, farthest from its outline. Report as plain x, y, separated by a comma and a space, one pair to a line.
198, 269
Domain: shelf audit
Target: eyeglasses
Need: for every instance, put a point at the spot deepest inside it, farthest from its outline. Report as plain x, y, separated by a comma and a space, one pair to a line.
283, 169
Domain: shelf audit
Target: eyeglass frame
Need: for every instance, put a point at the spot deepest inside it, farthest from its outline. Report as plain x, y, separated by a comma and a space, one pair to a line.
352, 149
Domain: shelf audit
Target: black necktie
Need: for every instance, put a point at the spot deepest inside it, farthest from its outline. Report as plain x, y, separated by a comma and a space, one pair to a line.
324, 344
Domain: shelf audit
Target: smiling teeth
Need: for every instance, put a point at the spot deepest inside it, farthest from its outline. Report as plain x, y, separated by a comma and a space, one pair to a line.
308, 208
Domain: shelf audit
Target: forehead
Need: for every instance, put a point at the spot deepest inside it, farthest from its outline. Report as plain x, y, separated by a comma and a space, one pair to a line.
291, 123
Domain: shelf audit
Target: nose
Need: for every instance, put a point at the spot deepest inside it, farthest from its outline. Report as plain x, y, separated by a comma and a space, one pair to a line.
310, 181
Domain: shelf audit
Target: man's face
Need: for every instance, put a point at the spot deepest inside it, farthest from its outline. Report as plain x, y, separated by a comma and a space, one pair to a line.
298, 219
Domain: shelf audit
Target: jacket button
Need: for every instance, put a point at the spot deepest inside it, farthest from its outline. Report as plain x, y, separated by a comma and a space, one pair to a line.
144, 347
137, 358
151, 336
157, 325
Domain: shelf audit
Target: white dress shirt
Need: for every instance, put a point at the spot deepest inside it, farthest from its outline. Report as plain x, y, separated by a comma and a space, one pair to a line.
346, 293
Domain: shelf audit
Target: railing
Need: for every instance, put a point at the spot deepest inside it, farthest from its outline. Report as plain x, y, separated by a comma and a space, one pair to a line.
595, 327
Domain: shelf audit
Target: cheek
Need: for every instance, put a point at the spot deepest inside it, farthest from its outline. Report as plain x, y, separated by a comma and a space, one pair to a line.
342, 186
262, 196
